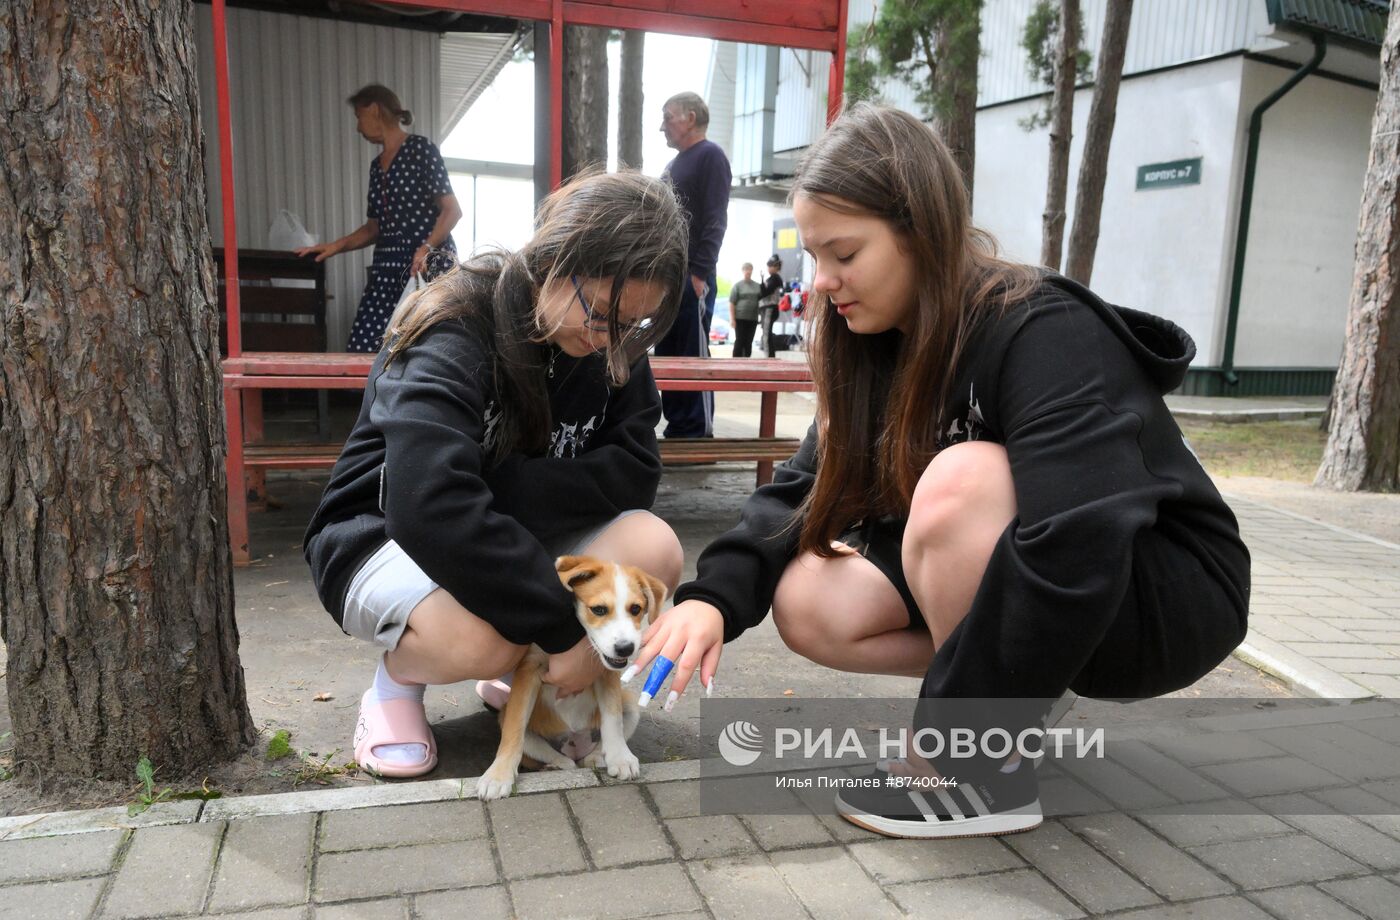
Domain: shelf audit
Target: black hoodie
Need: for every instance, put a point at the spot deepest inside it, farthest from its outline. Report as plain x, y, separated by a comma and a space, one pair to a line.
1073, 388
416, 469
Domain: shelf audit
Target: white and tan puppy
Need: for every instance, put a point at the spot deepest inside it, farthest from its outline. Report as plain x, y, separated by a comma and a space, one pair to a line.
614, 603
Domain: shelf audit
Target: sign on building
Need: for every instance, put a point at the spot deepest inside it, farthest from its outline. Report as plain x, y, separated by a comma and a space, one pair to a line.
1167, 175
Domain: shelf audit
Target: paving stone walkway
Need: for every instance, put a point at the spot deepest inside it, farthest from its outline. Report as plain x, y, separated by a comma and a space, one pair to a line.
570, 845
1325, 604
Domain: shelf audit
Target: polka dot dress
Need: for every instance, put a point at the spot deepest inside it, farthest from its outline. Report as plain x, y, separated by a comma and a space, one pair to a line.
404, 201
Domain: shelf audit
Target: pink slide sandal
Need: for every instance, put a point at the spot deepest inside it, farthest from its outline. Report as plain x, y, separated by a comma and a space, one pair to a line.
493, 693
393, 722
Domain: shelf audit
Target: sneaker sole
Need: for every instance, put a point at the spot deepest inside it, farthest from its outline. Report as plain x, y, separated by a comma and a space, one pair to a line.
1025, 818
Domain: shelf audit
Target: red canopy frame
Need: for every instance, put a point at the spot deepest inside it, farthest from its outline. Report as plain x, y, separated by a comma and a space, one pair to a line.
816, 24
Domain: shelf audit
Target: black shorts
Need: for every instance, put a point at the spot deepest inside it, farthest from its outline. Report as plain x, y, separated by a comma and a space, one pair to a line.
1176, 622
880, 541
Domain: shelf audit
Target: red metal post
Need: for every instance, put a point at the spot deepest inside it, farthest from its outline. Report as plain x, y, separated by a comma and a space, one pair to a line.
767, 427
234, 314
836, 89
556, 94
233, 470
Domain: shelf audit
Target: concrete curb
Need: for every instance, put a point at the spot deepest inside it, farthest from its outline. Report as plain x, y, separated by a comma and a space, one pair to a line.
1241, 416
1298, 671
61, 823
56, 823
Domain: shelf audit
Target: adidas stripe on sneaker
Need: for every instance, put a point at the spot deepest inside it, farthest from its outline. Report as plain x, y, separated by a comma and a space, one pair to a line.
904, 806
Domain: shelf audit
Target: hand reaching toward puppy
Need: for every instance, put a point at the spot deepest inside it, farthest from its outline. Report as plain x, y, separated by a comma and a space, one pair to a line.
692, 635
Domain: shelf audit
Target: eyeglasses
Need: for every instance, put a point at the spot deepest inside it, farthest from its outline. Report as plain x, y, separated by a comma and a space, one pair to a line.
595, 322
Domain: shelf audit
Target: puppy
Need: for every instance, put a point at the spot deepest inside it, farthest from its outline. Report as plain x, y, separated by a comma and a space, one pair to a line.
614, 603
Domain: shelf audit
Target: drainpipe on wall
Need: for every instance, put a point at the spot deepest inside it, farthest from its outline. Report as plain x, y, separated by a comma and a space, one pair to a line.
1256, 120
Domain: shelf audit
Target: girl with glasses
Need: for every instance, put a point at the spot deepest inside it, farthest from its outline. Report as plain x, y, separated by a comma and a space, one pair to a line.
509, 419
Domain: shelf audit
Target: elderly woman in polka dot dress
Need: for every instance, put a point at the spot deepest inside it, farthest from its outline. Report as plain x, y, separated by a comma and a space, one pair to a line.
411, 213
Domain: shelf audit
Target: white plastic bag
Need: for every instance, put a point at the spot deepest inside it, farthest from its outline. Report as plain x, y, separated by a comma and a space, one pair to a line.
414, 285
288, 233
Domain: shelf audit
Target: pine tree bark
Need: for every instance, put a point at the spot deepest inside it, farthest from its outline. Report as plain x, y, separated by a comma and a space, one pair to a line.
585, 141
1098, 135
1061, 133
954, 73
1363, 440
630, 103
116, 588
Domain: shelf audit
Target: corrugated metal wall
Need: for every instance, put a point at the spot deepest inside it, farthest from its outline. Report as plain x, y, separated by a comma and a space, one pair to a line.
803, 77
720, 94
294, 137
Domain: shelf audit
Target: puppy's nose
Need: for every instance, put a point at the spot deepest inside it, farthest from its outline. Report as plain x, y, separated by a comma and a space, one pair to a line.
625, 649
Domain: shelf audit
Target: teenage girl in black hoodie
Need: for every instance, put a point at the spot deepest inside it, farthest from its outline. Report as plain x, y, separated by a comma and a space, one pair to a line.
993, 496
509, 419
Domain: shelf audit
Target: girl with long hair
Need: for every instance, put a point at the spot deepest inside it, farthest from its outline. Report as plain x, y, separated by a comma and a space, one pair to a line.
993, 495
509, 419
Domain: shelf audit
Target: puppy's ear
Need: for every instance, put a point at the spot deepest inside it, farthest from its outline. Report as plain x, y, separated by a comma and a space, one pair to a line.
575, 570
657, 588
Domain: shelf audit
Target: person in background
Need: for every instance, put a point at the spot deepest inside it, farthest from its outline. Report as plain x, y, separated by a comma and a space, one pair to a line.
700, 175
769, 293
410, 218
743, 309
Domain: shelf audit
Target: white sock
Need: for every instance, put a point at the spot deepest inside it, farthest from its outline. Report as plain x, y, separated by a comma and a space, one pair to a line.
386, 688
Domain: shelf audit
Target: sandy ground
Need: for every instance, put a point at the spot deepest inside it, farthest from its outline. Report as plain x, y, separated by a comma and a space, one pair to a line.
292, 652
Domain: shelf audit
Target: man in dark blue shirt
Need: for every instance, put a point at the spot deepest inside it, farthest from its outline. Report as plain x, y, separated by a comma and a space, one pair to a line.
700, 175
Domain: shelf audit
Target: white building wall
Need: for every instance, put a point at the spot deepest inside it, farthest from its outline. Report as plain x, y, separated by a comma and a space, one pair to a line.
1307, 201
1159, 250
1163, 33
294, 137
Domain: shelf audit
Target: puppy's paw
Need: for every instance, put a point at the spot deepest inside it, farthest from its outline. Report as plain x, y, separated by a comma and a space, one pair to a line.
559, 763
594, 760
495, 784
626, 766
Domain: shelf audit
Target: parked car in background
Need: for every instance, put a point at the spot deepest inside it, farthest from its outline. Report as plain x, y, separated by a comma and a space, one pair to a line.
720, 331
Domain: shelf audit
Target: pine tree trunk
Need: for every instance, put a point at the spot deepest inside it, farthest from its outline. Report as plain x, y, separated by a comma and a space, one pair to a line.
1061, 132
1093, 163
1363, 442
116, 588
630, 103
955, 80
585, 142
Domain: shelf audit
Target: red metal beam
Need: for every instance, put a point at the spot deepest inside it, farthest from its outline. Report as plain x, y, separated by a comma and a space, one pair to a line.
708, 26
804, 24
556, 94
234, 313
836, 88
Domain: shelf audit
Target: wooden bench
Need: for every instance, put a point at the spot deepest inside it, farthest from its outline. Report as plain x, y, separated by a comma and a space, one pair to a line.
248, 458
283, 308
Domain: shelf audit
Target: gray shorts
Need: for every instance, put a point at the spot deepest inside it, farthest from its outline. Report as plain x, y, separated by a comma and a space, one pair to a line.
388, 585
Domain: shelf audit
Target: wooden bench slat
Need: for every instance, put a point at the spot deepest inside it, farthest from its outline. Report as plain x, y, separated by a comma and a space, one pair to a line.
673, 450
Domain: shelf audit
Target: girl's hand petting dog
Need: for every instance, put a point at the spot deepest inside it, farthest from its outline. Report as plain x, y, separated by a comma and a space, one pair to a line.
692, 635
575, 670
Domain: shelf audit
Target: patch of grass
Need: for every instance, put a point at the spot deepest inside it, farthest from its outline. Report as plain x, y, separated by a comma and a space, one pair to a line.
7, 759
1277, 450
146, 773
147, 795
279, 745
322, 772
